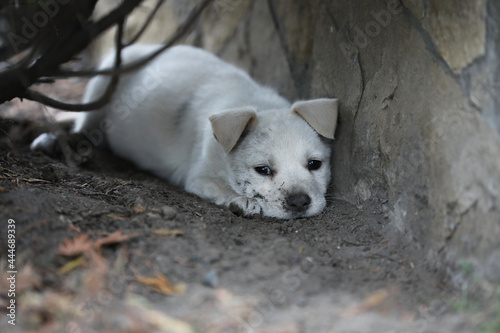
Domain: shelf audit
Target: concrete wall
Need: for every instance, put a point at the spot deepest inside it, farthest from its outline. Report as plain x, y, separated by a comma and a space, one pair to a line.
419, 115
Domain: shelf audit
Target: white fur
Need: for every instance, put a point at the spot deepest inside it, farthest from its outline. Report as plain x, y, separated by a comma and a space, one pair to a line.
159, 119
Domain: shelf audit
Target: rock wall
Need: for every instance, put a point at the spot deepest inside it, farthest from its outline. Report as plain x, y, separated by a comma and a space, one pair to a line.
419, 119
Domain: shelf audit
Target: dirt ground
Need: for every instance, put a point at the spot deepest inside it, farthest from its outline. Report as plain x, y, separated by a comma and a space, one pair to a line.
105, 247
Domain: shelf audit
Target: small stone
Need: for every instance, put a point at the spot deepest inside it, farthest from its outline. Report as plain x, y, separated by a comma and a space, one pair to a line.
54, 172
210, 279
152, 216
196, 259
168, 212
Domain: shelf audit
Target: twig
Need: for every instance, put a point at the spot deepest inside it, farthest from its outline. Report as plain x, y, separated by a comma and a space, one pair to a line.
93, 193
14, 81
35, 180
101, 101
116, 71
181, 31
145, 25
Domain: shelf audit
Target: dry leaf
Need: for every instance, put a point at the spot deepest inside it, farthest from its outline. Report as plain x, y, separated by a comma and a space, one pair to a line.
97, 273
115, 237
82, 244
78, 245
164, 232
161, 284
138, 208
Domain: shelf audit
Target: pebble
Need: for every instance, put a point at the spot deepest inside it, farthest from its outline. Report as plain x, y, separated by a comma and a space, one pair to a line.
168, 212
210, 279
54, 172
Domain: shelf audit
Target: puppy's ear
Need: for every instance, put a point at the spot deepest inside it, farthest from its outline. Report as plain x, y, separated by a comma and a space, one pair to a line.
321, 114
229, 125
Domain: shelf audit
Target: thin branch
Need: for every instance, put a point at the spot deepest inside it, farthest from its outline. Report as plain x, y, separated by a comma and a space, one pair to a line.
181, 31
15, 80
145, 25
103, 100
116, 71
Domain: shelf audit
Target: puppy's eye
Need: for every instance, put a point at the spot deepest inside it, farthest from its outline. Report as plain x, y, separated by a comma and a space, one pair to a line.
313, 165
264, 170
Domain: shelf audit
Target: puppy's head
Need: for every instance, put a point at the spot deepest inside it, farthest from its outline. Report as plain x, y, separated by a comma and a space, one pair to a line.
281, 158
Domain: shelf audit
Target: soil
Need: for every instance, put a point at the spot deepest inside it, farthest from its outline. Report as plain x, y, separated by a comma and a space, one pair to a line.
185, 265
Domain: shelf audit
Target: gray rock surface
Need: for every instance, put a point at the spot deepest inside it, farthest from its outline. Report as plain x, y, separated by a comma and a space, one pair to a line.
419, 114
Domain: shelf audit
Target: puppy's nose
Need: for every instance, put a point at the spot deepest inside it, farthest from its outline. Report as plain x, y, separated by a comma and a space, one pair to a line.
298, 202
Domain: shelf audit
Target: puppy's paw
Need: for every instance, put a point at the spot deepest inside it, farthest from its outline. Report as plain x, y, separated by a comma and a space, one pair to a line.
243, 206
47, 143
60, 144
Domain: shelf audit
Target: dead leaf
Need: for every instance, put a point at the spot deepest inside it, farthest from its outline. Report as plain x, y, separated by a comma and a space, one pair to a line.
166, 233
115, 237
161, 284
97, 273
78, 245
138, 208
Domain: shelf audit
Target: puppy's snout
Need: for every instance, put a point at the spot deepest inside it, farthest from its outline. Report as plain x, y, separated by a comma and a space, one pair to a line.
298, 202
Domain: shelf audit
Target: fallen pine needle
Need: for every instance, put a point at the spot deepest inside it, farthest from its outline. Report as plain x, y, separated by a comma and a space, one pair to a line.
69, 266
167, 233
161, 284
82, 244
34, 180
115, 237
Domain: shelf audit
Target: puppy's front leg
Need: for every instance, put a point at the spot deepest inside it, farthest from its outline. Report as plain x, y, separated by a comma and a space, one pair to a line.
218, 192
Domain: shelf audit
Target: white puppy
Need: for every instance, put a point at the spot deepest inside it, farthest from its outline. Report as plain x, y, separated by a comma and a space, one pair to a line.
203, 124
